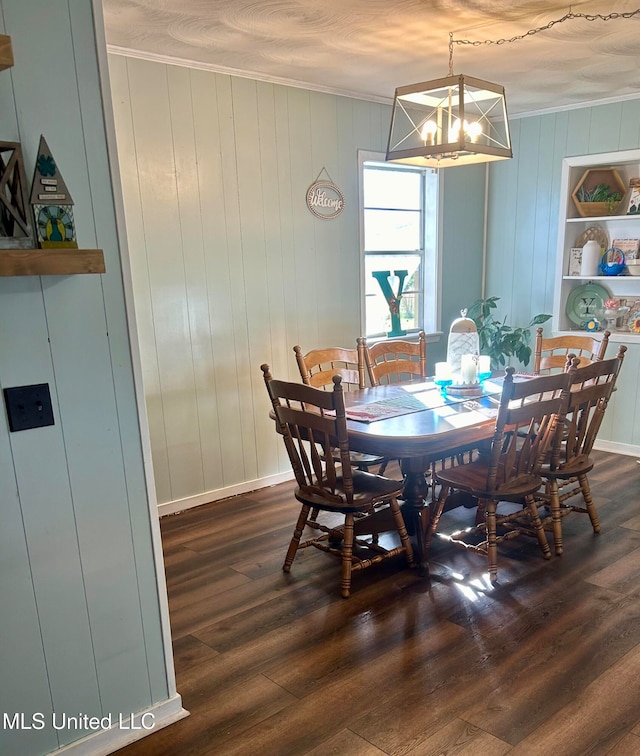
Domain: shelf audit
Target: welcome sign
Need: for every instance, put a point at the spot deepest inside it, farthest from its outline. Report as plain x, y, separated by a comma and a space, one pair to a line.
325, 200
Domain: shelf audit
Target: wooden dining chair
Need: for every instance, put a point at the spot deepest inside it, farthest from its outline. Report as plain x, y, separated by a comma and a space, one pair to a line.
566, 474
394, 361
550, 354
526, 421
311, 422
317, 369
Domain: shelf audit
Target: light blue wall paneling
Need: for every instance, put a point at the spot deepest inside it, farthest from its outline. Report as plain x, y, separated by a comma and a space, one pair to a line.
231, 269
82, 629
462, 196
523, 224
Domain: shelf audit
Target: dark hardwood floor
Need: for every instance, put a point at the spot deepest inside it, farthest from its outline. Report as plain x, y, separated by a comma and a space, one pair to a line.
547, 662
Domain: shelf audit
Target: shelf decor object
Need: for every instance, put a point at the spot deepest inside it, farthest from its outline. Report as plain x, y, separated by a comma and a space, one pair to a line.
612, 262
586, 303
6, 52
593, 232
633, 206
15, 217
52, 204
599, 192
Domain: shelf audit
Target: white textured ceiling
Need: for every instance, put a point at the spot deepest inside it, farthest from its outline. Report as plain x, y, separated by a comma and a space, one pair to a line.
367, 48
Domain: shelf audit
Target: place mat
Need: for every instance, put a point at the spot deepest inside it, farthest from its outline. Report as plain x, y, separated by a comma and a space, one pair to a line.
387, 408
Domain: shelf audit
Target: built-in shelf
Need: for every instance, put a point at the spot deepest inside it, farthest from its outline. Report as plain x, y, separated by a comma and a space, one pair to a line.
50, 262
596, 219
6, 52
601, 278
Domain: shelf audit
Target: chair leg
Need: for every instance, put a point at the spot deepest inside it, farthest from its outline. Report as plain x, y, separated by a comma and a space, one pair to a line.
537, 524
553, 499
402, 530
438, 506
295, 540
347, 556
588, 500
489, 509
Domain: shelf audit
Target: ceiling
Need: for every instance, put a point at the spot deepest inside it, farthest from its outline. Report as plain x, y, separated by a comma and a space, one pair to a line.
366, 48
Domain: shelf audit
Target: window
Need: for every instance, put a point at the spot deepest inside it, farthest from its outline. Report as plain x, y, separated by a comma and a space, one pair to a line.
398, 235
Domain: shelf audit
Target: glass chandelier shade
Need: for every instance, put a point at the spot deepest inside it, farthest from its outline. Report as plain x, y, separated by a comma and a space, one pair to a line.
456, 120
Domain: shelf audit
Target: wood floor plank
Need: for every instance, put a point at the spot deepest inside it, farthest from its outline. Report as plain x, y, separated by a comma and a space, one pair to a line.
459, 738
345, 743
586, 726
547, 661
623, 575
628, 746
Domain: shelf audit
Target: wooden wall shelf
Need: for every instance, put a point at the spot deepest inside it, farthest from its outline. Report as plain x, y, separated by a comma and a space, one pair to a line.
50, 262
6, 52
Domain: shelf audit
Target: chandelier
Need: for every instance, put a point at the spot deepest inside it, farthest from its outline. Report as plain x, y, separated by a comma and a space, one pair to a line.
458, 119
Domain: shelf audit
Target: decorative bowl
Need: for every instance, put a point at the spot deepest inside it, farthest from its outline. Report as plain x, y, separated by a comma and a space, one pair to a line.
633, 268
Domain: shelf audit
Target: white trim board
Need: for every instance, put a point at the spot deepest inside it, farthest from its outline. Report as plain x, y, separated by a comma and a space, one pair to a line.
128, 52
180, 505
629, 450
104, 742
189, 502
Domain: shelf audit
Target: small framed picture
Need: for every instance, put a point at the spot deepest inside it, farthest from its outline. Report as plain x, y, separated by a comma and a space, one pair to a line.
634, 198
575, 261
630, 247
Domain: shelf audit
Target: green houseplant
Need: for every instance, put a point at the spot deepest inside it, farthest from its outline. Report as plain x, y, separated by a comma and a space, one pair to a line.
499, 340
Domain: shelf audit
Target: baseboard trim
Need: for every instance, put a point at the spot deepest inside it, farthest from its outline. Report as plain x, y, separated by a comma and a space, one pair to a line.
630, 450
180, 505
108, 741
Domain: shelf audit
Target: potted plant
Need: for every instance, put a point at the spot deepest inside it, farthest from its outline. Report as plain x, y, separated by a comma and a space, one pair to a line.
599, 192
499, 340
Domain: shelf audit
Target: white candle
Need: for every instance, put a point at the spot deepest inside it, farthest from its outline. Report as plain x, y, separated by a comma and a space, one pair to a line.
484, 364
468, 368
443, 371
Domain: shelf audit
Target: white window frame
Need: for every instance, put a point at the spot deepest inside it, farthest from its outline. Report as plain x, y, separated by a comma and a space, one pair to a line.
432, 271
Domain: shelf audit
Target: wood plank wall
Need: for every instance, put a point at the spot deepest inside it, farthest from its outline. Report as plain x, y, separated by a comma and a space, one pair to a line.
231, 269
81, 628
522, 228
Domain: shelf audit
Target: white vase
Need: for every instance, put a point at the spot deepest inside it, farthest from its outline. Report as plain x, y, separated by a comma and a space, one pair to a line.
590, 258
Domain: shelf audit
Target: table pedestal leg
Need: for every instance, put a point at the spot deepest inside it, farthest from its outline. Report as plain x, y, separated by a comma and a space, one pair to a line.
415, 509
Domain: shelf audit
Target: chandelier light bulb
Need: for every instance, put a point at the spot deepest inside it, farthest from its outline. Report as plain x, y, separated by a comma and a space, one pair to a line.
428, 132
473, 129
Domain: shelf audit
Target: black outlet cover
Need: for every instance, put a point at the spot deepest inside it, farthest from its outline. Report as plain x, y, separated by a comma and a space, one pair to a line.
28, 406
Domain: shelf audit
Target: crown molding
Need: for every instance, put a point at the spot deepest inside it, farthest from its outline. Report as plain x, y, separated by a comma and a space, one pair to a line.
186, 63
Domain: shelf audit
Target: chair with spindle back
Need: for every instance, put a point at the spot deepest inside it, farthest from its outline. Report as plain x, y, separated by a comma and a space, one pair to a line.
394, 360
311, 422
550, 354
525, 427
570, 459
317, 369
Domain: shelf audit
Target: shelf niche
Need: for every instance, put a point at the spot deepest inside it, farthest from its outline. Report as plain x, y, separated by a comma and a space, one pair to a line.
6, 52
50, 262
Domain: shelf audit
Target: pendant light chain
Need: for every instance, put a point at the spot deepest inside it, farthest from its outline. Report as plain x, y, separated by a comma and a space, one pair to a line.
567, 17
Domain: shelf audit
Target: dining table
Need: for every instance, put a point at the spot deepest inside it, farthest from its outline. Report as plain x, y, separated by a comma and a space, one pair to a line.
420, 424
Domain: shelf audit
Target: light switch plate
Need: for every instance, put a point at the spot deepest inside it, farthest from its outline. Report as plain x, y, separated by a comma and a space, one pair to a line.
28, 406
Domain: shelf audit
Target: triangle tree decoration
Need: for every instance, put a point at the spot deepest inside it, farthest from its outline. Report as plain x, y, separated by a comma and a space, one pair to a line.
15, 219
52, 203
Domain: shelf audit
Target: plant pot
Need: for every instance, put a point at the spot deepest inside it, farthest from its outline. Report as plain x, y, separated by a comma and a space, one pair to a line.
596, 209
589, 181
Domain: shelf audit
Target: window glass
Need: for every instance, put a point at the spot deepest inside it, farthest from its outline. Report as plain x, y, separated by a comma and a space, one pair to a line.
399, 224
